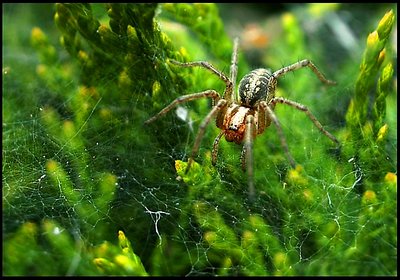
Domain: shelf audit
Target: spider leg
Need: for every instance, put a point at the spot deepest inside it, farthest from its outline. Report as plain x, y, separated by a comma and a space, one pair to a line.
248, 154
207, 66
234, 68
215, 147
272, 115
303, 108
221, 104
185, 98
301, 64
243, 158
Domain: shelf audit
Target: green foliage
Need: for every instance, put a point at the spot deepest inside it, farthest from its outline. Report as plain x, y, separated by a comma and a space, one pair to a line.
367, 132
113, 260
80, 167
205, 22
371, 64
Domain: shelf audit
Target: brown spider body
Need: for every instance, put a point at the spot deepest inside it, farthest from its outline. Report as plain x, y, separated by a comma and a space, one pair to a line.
232, 121
254, 87
243, 116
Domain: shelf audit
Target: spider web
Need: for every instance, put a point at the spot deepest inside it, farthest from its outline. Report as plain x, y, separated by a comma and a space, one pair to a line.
300, 223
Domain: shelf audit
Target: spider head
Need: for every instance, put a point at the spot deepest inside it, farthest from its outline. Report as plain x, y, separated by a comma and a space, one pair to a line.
234, 122
257, 85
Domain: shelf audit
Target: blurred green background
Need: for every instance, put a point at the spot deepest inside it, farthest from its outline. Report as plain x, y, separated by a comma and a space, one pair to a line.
88, 189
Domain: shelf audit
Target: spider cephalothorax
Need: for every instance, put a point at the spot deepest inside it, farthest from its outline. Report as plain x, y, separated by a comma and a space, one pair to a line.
241, 117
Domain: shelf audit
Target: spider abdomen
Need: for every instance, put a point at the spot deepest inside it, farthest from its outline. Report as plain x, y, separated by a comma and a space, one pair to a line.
256, 86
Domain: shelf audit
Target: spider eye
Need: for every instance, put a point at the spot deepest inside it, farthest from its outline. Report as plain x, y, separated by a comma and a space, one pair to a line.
254, 87
233, 127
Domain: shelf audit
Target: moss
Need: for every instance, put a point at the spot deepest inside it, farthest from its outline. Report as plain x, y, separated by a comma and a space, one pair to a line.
88, 189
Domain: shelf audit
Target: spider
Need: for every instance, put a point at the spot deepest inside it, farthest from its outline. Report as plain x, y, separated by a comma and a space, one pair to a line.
244, 115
